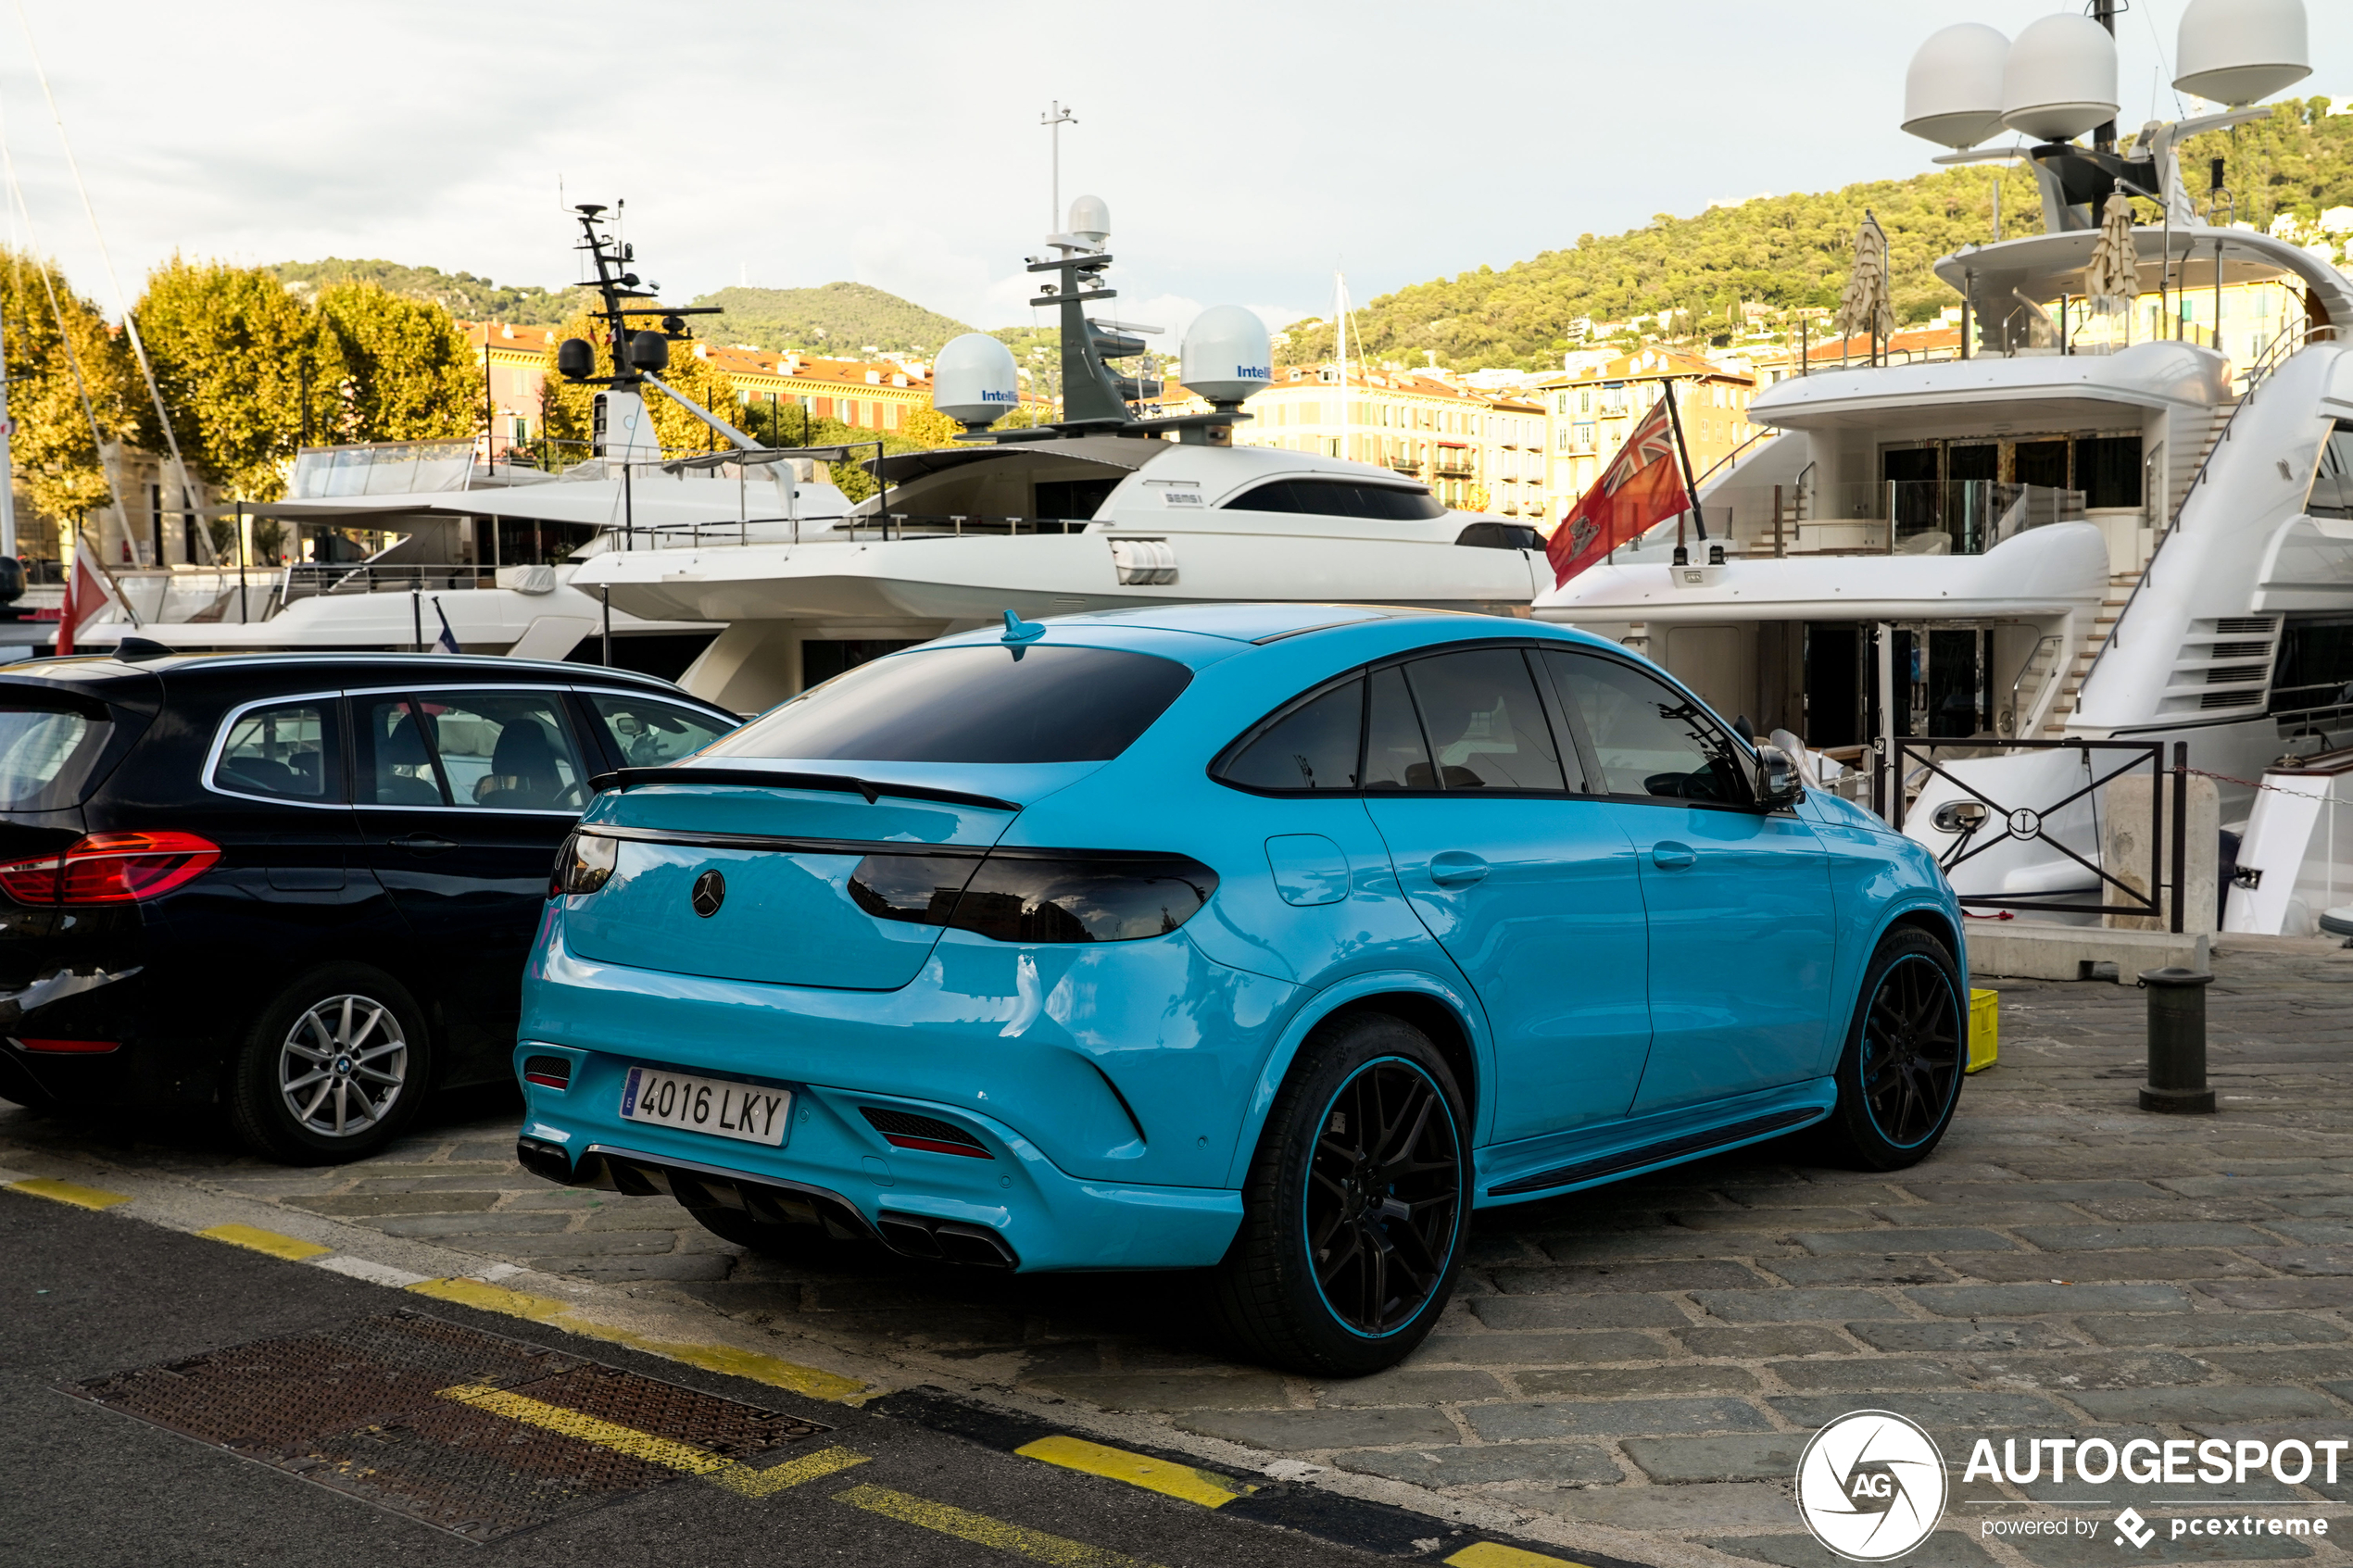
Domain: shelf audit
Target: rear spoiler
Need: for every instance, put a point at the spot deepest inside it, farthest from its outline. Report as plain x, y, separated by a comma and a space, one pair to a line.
757, 778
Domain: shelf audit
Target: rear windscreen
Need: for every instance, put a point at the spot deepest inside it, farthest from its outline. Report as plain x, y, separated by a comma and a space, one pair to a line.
45, 756
971, 704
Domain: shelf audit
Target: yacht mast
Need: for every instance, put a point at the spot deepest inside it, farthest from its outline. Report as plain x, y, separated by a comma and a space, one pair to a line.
1340, 315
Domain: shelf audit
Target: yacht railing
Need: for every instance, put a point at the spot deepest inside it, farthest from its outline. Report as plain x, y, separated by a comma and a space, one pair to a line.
2024, 702
893, 528
2297, 337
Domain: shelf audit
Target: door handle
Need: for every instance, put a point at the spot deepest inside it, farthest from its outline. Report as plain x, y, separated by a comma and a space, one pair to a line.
1670, 856
1456, 867
423, 844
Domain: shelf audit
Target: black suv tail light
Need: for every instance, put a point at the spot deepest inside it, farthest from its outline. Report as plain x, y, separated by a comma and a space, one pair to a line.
110, 868
1036, 896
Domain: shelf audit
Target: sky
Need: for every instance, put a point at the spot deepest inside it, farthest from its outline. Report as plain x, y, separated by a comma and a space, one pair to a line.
1248, 154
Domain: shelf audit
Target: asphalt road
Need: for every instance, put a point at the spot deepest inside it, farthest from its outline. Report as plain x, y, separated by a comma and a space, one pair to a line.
90, 1294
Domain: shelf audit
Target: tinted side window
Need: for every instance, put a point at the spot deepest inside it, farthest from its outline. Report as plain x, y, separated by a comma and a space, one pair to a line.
288, 750
1648, 738
1042, 703
1484, 720
1341, 498
648, 732
1395, 755
506, 751
2333, 485
1309, 747
395, 760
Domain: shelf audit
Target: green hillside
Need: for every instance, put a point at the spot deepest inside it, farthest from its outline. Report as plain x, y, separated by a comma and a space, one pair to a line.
1795, 250
839, 318
461, 293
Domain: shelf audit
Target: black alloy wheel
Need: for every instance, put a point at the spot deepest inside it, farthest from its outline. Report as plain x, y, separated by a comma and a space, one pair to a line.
1911, 1050
1899, 1077
1356, 1206
1384, 1195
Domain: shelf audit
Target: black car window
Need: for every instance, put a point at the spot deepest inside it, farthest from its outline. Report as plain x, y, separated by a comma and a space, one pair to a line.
287, 750
1648, 738
1309, 747
648, 732
1339, 498
506, 751
47, 753
1484, 720
989, 704
1395, 755
393, 743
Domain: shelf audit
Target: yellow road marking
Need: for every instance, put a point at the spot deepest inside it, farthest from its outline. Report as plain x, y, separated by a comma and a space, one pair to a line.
66, 1192
1494, 1555
774, 1371
1204, 1487
286, 1247
719, 1469
981, 1530
751, 1483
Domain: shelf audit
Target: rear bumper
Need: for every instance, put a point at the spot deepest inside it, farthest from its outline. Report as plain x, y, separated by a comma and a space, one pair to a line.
80, 1037
1008, 1207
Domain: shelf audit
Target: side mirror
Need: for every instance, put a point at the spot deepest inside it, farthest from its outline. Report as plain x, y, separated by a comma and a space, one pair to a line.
1778, 782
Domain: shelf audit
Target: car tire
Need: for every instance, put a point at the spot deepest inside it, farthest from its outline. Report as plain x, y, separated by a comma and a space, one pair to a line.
1899, 1077
1368, 1294
333, 1069
796, 1243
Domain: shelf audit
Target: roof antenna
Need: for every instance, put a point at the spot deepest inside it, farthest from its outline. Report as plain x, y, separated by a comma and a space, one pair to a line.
1020, 631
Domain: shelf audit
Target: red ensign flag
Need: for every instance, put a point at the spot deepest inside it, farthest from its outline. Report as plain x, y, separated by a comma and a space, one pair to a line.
1644, 485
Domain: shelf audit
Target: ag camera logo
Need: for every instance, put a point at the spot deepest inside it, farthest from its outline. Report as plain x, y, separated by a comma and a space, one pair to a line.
1871, 1486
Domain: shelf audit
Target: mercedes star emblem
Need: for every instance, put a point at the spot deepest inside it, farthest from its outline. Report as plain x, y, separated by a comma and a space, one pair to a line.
710, 891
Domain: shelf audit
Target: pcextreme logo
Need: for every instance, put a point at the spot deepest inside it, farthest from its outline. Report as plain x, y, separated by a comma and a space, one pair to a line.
1870, 1486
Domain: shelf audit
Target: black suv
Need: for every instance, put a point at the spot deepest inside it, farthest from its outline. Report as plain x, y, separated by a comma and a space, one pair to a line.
300, 885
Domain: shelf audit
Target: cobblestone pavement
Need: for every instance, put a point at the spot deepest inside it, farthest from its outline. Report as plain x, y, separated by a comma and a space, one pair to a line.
1652, 1356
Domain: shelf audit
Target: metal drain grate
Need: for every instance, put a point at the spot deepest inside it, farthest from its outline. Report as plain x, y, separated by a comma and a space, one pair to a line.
366, 1410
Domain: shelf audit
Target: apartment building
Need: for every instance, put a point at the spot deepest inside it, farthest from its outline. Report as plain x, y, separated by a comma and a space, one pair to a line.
1477, 451
876, 396
1592, 409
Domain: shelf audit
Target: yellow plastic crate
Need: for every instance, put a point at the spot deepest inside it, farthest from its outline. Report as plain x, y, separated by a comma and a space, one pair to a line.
1984, 1029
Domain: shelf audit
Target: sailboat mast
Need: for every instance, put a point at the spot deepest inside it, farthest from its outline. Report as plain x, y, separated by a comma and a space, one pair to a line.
1340, 315
8, 467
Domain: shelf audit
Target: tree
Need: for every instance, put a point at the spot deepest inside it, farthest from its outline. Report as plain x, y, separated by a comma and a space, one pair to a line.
409, 375
572, 404
51, 447
230, 347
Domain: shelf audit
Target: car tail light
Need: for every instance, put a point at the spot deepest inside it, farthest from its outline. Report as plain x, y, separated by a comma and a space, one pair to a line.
549, 1072
73, 1047
1044, 896
902, 1129
585, 864
110, 868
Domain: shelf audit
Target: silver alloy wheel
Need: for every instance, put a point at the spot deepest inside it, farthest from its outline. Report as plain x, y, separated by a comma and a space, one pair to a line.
343, 1065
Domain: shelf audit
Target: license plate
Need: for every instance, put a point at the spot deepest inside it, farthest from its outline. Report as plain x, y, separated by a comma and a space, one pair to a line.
706, 1105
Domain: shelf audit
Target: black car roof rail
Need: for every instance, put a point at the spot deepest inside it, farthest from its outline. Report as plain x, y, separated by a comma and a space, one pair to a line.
759, 778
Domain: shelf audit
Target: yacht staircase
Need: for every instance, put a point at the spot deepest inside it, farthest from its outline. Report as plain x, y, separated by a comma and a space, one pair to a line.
2122, 587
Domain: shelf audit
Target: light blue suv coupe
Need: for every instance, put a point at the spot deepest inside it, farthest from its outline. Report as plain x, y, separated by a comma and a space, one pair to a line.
1268, 939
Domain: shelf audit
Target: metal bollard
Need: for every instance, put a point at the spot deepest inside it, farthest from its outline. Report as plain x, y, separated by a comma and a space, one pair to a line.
2177, 1043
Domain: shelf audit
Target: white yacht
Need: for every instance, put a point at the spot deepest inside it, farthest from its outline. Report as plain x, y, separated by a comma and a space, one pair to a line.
2047, 539
1102, 509
395, 542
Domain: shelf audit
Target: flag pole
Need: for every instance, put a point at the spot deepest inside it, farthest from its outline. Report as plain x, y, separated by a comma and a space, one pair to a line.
1683, 454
